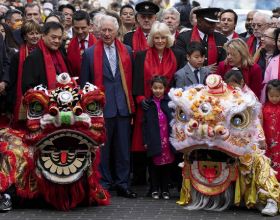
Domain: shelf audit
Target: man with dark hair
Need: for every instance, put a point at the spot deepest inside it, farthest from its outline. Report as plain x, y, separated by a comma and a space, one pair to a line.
204, 32
228, 21
82, 41
45, 62
68, 11
13, 19
276, 12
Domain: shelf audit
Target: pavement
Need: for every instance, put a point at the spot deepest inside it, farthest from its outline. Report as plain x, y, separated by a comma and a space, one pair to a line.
131, 209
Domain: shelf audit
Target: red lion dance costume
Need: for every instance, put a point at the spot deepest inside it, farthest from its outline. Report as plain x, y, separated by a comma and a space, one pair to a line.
57, 156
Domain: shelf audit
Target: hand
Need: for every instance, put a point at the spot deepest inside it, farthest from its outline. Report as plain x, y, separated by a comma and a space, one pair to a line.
213, 67
2, 87
145, 104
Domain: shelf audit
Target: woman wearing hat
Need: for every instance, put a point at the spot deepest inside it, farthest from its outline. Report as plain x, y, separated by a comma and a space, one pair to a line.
159, 59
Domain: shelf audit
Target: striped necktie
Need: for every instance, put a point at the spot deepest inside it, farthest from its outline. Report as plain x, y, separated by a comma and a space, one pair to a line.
112, 60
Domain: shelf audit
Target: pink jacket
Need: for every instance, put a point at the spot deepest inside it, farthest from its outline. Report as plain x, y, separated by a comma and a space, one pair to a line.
271, 72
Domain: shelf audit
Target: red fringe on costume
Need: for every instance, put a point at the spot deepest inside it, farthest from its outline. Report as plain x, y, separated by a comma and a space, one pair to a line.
68, 196
96, 192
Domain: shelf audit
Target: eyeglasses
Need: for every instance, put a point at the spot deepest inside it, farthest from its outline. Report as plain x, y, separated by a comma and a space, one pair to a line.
265, 36
257, 25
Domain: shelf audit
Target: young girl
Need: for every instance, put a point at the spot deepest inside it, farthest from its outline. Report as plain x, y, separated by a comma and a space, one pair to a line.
235, 79
156, 131
271, 123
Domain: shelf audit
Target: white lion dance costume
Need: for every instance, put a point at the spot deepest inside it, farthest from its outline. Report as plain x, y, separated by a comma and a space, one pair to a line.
219, 131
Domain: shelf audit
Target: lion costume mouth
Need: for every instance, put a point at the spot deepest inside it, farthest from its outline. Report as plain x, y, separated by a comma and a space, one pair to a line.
64, 155
210, 171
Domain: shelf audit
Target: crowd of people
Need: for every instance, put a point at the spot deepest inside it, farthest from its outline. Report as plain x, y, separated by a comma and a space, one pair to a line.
136, 52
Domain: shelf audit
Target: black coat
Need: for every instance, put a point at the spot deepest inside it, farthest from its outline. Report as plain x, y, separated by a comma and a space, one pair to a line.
34, 72
138, 72
151, 132
127, 38
184, 39
4, 62
243, 35
12, 89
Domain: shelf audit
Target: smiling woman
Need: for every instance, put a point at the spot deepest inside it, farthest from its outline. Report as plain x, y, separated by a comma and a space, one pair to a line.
238, 56
31, 33
159, 60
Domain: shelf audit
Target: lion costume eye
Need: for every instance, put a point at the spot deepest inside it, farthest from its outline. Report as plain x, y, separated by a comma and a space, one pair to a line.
205, 108
240, 120
181, 115
94, 109
36, 109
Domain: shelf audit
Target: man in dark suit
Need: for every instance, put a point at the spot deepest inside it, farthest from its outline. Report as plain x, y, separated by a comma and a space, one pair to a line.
46, 61
108, 64
228, 23
204, 32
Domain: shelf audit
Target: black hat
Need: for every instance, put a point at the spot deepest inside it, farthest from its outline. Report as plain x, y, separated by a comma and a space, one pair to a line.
61, 7
208, 14
147, 8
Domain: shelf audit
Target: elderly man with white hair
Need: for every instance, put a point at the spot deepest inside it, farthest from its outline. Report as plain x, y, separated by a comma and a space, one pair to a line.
259, 24
108, 65
171, 17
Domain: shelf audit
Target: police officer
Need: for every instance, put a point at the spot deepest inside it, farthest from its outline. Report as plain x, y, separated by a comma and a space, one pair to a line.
146, 16
204, 32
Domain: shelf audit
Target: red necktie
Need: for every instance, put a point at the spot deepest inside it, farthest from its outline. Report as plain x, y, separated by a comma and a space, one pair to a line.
82, 44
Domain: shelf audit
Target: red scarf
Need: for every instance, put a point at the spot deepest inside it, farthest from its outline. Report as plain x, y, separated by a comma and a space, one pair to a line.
74, 54
152, 67
212, 48
176, 35
125, 67
24, 50
139, 41
250, 43
235, 35
49, 63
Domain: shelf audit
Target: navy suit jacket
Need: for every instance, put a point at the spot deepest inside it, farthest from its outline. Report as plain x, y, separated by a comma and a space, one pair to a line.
116, 103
